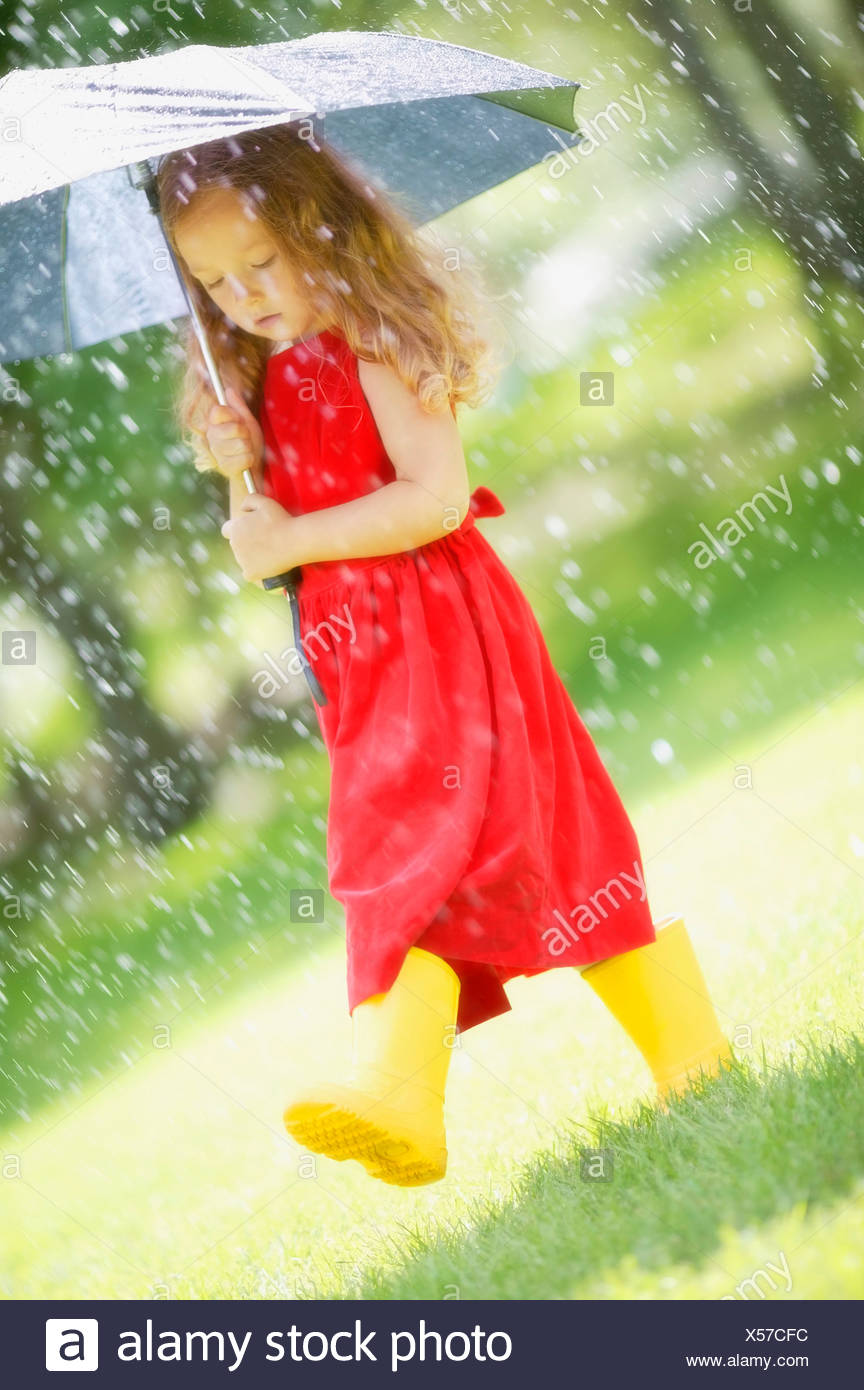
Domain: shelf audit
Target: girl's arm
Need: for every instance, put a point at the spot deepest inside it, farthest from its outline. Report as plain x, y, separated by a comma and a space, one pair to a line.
428, 499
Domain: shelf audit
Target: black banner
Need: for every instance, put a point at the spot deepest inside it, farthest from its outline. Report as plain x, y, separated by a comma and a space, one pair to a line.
478, 1343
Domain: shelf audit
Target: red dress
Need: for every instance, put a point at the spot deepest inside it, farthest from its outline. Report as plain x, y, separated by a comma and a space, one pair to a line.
470, 813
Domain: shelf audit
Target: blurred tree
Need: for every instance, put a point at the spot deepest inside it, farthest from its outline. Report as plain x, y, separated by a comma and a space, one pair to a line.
133, 739
812, 196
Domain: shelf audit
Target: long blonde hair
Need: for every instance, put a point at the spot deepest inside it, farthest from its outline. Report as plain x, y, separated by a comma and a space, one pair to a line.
362, 262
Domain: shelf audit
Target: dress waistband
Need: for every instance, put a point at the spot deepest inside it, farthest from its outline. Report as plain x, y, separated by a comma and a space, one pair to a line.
320, 574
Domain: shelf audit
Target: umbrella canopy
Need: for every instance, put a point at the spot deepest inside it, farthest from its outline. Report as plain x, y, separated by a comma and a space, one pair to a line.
432, 123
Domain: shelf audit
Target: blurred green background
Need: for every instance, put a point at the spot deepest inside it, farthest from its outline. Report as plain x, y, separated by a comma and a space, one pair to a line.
156, 813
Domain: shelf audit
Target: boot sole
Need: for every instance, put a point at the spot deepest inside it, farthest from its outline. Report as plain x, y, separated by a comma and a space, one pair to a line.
339, 1129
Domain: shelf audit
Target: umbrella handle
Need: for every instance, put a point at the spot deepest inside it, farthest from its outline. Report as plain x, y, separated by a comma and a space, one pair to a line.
288, 582
277, 581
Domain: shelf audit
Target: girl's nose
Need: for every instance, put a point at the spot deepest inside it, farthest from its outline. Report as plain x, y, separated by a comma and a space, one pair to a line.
237, 288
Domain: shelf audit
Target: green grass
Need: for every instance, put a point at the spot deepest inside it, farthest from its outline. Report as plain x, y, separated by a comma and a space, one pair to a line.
710, 658
730, 1157
156, 931
169, 1174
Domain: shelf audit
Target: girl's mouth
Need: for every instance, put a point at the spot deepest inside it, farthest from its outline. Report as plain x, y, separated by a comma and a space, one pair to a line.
267, 321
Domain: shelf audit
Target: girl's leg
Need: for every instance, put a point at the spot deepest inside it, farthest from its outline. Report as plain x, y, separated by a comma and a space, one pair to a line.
389, 1114
659, 996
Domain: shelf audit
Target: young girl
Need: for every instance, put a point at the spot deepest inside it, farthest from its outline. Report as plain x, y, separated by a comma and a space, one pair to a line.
473, 833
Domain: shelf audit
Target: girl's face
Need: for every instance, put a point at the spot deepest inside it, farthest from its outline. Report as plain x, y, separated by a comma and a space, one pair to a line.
239, 263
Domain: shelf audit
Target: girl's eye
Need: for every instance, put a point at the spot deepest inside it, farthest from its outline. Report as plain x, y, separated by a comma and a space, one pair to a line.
260, 266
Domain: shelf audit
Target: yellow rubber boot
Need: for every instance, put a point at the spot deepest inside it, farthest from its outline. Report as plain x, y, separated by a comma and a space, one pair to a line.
659, 996
389, 1114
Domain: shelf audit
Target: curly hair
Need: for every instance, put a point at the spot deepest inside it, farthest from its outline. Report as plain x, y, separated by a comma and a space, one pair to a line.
366, 270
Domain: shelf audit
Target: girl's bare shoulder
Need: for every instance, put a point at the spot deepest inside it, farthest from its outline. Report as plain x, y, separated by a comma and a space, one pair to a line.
390, 399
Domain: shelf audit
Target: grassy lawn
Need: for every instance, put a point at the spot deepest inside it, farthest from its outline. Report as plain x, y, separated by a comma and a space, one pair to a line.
166, 1174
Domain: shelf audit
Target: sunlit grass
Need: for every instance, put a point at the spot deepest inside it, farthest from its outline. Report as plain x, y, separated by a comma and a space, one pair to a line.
684, 1196
173, 1178
142, 931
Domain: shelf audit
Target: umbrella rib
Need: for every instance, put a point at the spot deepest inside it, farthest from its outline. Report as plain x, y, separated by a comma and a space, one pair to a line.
64, 289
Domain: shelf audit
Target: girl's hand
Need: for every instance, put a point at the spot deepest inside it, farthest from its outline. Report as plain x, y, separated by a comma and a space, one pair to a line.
234, 436
263, 537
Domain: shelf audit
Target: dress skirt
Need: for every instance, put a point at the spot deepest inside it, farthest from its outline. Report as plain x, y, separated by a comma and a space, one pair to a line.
470, 813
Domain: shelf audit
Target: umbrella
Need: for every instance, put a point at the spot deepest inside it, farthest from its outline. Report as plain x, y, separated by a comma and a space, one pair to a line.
432, 123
